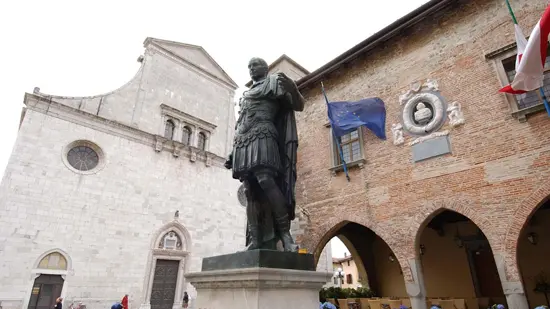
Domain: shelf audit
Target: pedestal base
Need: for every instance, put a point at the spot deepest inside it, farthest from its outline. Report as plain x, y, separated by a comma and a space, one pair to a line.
252, 280
258, 288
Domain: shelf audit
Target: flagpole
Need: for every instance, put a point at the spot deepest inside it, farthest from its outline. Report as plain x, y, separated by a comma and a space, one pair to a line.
541, 90
511, 12
546, 105
335, 138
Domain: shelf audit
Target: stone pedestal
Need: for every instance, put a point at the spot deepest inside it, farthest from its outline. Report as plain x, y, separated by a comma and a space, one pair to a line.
259, 279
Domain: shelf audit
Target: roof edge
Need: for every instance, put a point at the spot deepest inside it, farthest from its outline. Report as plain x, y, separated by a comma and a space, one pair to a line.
404, 22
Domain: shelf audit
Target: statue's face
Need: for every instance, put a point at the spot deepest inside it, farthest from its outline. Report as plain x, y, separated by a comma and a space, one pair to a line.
257, 69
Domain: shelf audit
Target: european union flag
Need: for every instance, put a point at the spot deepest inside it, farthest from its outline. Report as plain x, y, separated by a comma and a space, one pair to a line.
347, 116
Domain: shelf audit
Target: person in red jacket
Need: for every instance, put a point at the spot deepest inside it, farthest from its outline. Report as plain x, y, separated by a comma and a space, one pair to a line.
124, 302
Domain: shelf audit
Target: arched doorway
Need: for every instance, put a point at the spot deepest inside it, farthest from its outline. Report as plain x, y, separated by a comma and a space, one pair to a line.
371, 263
165, 281
533, 255
457, 262
49, 280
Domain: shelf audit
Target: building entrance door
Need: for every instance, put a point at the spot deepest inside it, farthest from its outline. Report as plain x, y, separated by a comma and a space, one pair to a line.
164, 284
46, 289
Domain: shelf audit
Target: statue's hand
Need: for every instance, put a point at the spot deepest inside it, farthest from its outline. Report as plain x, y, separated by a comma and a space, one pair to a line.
284, 82
229, 162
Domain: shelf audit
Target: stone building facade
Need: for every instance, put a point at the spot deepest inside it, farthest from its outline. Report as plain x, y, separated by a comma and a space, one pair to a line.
124, 192
121, 193
464, 182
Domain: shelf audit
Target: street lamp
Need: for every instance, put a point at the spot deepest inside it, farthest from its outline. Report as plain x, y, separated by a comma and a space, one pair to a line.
339, 274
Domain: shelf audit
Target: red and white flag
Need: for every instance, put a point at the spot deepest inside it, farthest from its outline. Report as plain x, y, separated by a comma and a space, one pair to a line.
531, 57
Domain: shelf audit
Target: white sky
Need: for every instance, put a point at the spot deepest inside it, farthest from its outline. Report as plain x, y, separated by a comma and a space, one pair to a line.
80, 48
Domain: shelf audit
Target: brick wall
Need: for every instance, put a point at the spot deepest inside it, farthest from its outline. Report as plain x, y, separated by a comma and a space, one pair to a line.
499, 170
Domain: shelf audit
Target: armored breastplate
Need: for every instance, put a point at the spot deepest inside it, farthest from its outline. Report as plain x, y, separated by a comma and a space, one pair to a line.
256, 113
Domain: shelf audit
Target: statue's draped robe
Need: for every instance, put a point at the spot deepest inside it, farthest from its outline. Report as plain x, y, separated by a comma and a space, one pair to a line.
266, 137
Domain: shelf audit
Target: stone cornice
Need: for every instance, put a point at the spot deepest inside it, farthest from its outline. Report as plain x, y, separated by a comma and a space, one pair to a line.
47, 106
170, 111
154, 48
257, 278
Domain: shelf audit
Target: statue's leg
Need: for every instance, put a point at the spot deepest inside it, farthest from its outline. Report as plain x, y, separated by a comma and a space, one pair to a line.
266, 180
252, 216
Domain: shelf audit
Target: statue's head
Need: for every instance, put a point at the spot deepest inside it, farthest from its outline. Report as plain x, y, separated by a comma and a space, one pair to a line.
420, 106
257, 67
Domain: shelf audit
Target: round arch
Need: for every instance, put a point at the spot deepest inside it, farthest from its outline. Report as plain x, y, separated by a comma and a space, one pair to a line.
525, 210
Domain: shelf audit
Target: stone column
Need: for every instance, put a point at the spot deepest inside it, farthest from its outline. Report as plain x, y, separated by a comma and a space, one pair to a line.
178, 130
514, 292
194, 136
417, 289
515, 295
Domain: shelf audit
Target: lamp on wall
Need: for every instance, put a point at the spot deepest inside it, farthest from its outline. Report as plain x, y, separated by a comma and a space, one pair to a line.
422, 249
458, 241
391, 258
533, 238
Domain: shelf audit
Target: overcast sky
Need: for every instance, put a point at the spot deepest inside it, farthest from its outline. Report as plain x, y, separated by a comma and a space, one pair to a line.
81, 48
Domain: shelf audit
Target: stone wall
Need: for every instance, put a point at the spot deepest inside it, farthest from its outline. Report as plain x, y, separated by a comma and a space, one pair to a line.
499, 169
105, 222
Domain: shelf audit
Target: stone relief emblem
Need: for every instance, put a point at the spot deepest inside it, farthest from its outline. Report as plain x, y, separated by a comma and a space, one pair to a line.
456, 117
193, 157
424, 112
397, 132
170, 241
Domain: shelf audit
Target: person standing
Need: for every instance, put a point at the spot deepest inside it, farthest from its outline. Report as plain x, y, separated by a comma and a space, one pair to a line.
185, 300
124, 302
59, 303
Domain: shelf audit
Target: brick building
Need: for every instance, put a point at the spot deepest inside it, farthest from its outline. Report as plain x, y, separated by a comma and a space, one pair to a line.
459, 206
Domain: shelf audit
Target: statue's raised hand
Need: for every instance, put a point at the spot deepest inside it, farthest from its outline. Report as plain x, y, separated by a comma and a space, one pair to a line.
284, 81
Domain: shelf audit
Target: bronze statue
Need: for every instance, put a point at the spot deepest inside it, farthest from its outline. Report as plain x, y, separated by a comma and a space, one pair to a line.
264, 156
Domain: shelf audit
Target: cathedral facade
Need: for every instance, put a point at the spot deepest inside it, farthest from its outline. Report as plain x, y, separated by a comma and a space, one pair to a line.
122, 193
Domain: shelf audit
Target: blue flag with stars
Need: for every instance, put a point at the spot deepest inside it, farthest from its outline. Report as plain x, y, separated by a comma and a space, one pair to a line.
347, 116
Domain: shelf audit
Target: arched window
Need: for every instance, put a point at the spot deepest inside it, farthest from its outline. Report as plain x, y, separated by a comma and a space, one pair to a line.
169, 129
186, 136
202, 141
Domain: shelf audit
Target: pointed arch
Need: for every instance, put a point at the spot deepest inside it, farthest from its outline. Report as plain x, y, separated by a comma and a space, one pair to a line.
524, 211
180, 230
56, 250
462, 207
181, 255
36, 271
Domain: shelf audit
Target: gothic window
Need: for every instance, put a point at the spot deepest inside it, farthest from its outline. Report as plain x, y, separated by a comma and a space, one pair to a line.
169, 129
186, 136
82, 158
54, 261
170, 241
202, 141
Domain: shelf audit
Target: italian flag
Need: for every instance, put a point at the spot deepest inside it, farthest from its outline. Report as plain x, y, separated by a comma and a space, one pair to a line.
531, 57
